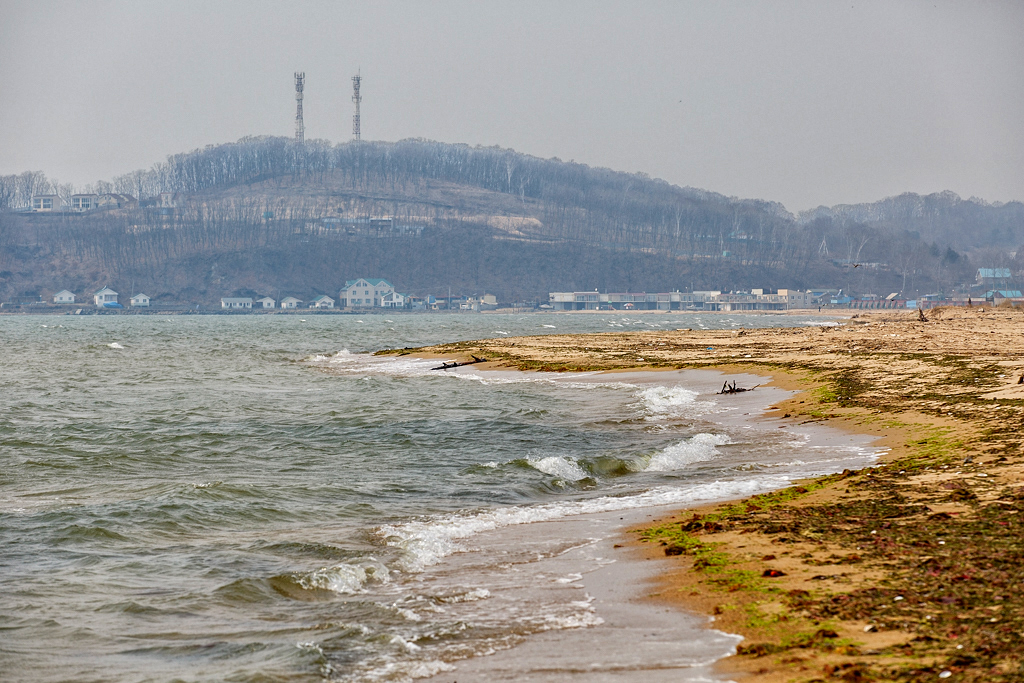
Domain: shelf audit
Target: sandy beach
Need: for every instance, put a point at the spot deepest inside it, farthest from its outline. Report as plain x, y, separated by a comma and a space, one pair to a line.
905, 571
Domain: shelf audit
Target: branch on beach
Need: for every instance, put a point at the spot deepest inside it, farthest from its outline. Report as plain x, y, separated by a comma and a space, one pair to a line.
733, 389
455, 364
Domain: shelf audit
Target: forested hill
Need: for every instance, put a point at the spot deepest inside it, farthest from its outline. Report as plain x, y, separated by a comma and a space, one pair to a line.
269, 215
942, 217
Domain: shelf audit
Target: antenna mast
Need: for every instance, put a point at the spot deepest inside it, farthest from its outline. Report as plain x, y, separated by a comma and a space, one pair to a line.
300, 129
357, 98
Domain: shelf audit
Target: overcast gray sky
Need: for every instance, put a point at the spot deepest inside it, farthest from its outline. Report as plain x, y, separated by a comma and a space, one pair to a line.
805, 103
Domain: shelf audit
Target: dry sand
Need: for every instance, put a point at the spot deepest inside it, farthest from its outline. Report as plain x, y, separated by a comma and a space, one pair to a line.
907, 571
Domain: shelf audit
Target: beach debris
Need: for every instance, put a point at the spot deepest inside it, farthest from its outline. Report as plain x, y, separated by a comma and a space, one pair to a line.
773, 573
870, 628
456, 364
920, 316
1021, 380
733, 389
946, 674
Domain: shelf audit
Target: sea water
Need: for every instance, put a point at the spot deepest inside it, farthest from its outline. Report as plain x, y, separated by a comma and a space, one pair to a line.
257, 498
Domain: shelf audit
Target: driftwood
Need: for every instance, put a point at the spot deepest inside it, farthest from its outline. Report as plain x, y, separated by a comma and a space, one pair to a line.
457, 364
733, 389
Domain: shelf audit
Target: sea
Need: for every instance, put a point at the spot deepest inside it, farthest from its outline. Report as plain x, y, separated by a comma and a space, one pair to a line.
259, 498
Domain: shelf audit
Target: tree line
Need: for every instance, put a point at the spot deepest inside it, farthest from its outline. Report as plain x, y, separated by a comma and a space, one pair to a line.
273, 194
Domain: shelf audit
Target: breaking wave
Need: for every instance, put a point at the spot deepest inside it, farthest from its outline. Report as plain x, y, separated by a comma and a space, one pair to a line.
698, 448
427, 542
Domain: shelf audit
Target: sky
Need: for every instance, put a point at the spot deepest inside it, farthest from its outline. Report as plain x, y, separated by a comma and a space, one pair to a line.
805, 103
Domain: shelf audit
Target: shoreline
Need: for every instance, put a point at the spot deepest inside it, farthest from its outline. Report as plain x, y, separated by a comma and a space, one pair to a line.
878, 573
638, 639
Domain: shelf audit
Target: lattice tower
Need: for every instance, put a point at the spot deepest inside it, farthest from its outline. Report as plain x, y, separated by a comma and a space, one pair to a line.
300, 129
357, 98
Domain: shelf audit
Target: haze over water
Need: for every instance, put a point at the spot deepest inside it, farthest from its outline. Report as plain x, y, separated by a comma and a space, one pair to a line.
255, 498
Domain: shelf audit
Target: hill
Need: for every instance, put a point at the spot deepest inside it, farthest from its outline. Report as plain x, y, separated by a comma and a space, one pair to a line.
943, 217
271, 216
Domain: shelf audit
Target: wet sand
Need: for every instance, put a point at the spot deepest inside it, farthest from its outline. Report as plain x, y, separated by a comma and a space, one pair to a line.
637, 638
905, 571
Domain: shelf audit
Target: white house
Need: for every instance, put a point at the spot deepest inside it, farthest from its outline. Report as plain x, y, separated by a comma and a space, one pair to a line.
105, 296
290, 302
322, 301
266, 302
365, 292
140, 301
236, 303
84, 202
46, 202
394, 300
63, 297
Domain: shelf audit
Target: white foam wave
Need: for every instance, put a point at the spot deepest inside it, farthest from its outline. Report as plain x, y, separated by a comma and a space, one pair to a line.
558, 466
363, 363
115, 345
698, 448
662, 402
346, 362
344, 578
470, 596
427, 542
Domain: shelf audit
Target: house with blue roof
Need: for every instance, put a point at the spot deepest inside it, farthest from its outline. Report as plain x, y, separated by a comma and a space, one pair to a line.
998, 296
994, 278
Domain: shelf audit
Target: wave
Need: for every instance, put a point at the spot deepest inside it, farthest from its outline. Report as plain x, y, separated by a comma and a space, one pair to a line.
666, 402
698, 448
426, 542
558, 466
343, 578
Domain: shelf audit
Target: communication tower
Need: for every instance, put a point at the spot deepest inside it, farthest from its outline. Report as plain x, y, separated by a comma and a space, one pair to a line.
357, 98
300, 129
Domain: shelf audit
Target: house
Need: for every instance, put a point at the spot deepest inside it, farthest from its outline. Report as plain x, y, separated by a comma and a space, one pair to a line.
266, 302
63, 297
365, 292
46, 202
168, 200
104, 297
322, 301
236, 303
140, 301
998, 296
290, 302
84, 202
115, 201
394, 300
